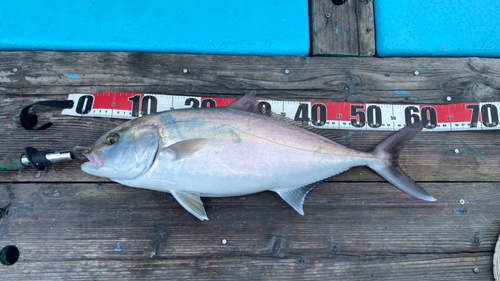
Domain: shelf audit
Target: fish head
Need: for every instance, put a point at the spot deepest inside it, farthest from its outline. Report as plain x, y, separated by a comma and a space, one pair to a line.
123, 153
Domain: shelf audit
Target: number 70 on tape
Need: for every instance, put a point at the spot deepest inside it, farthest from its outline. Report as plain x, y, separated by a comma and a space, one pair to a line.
327, 115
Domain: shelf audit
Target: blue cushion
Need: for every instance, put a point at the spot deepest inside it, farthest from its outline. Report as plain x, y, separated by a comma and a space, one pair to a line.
258, 27
437, 28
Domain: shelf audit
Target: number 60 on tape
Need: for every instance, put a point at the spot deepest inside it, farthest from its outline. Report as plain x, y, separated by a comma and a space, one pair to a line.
327, 115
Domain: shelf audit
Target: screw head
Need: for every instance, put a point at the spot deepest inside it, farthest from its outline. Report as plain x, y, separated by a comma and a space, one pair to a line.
184, 70
224, 241
327, 15
15, 69
287, 71
448, 98
457, 151
416, 73
461, 201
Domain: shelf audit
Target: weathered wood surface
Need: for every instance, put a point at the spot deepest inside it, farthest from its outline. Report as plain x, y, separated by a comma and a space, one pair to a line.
40, 76
366, 27
351, 231
342, 30
67, 224
318, 78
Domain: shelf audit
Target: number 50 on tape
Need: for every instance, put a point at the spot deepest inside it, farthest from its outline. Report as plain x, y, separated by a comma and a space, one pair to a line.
327, 115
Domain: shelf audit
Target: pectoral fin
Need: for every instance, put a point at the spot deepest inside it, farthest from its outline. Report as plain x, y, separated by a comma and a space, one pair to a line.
192, 203
186, 148
295, 196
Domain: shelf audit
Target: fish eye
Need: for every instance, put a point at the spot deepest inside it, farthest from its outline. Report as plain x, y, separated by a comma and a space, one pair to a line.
112, 138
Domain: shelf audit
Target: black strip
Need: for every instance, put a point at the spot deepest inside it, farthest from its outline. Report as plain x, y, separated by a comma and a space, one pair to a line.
29, 121
37, 158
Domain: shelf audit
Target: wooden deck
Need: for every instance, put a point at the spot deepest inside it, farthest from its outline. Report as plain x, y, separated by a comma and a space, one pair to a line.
69, 225
342, 30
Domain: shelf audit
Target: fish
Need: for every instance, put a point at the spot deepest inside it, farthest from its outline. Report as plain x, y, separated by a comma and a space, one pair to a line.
236, 150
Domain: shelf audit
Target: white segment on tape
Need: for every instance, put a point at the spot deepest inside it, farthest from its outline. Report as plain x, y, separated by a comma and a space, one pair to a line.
325, 115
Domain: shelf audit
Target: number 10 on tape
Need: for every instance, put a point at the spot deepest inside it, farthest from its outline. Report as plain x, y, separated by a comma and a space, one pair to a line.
327, 115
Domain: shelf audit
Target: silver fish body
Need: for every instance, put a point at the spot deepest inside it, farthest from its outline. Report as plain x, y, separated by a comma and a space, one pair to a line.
232, 151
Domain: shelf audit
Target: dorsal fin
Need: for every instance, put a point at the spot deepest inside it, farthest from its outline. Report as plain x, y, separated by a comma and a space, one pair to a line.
250, 103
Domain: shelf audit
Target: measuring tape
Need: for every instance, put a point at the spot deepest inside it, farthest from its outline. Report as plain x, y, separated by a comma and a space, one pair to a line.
327, 115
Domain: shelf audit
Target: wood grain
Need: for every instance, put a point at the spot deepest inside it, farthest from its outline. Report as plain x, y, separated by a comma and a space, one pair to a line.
310, 78
69, 225
366, 27
342, 30
351, 231
334, 28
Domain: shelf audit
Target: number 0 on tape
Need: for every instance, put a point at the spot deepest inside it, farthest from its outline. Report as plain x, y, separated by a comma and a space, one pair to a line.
327, 115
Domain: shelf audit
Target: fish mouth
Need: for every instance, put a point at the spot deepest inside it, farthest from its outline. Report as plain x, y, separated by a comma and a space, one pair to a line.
96, 158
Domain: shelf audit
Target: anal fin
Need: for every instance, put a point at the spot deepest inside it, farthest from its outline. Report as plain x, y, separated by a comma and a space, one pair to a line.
295, 196
192, 203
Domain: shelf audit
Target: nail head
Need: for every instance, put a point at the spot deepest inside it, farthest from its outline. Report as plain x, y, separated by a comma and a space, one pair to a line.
476, 270
15, 69
457, 151
448, 98
184, 70
287, 71
327, 15
346, 88
224, 241
416, 73
462, 201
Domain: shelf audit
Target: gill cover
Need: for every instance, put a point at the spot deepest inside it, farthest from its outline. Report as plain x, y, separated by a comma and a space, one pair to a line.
128, 156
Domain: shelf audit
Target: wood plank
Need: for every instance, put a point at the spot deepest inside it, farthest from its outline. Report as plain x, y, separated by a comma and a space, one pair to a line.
40, 76
67, 225
366, 27
251, 268
342, 30
310, 78
429, 157
351, 231
334, 28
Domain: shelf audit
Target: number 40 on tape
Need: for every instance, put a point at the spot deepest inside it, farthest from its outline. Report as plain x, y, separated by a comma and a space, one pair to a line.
327, 115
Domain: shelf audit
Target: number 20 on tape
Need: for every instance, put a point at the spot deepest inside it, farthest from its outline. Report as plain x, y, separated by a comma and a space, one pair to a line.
327, 115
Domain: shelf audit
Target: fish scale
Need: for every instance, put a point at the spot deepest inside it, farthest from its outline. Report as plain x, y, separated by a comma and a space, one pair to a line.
235, 150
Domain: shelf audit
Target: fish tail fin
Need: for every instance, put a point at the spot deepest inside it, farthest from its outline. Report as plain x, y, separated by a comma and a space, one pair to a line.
388, 166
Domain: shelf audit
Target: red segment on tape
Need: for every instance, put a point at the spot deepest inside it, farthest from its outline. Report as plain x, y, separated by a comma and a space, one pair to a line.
125, 101
103, 100
461, 113
334, 115
436, 113
220, 101
331, 112
356, 107
443, 113
343, 111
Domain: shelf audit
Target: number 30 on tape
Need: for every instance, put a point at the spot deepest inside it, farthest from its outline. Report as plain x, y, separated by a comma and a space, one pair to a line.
327, 115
